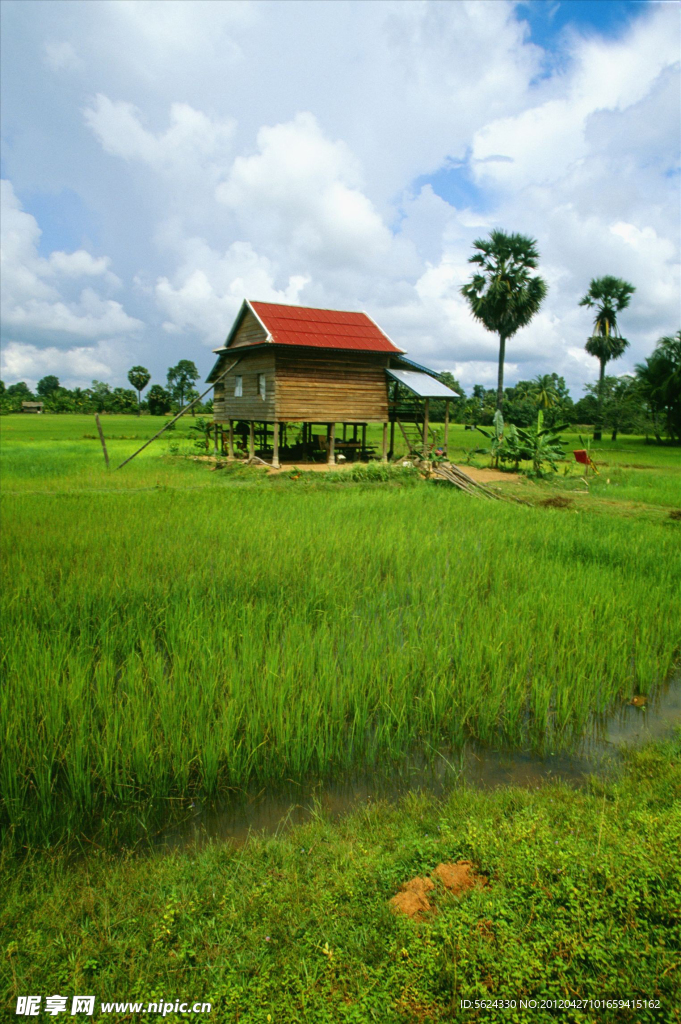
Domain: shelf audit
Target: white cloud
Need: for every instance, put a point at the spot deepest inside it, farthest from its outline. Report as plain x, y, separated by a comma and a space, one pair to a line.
75, 367
192, 141
31, 297
209, 288
61, 56
304, 191
236, 155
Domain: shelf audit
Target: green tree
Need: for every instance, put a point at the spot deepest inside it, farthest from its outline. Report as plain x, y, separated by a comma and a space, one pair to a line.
621, 402
101, 395
503, 295
160, 400
659, 379
48, 386
21, 391
139, 377
608, 296
181, 379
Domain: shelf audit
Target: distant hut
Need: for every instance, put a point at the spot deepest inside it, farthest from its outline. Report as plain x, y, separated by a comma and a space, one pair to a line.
32, 407
284, 365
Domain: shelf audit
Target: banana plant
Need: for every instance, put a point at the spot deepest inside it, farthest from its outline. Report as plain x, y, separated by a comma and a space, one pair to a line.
541, 444
496, 440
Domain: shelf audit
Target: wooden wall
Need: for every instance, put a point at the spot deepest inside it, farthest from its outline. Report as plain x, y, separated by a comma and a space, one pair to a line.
331, 387
249, 332
250, 406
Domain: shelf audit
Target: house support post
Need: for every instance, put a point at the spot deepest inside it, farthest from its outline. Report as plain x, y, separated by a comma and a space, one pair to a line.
384, 455
230, 440
391, 453
331, 443
364, 439
215, 440
446, 444
275, 446
425, 422
251, 439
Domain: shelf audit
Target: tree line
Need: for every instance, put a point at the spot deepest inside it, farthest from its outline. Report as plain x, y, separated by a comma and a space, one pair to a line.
103, 398
504, 295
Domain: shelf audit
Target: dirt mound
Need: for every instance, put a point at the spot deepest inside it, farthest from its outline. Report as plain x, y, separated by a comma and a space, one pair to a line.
459, 877
675, 513
412, 898
558, 501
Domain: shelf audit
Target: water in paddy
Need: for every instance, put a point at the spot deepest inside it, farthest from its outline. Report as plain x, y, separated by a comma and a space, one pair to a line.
275, 808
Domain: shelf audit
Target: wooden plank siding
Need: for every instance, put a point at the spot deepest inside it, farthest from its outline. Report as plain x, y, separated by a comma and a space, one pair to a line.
249, 332
331, 387
250, 406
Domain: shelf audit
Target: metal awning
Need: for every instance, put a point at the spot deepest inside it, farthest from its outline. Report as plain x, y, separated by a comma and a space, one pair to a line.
422, 384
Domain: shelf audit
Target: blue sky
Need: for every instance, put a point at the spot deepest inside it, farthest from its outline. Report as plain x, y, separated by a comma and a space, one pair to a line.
161, 161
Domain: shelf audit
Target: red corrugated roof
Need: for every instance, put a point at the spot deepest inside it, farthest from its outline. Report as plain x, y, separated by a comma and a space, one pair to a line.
322, 328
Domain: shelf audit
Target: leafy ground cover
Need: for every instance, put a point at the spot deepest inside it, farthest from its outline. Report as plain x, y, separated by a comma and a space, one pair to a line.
582, 903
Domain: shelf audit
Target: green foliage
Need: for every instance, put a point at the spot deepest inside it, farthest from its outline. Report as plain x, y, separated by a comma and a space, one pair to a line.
659, 379
181, 379
160, 400
503, 295
48, 386
609, 296
582, 902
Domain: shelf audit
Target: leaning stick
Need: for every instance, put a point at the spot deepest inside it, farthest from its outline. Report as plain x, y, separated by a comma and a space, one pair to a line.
180, 413
101, 438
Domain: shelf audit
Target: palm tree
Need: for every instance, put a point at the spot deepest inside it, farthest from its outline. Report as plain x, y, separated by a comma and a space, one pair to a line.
659, 379
139, 377
503, 295
609, 295
544, 391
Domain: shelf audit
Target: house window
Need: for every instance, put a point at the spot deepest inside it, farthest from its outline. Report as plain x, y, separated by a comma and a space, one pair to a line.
238, 387
262, 387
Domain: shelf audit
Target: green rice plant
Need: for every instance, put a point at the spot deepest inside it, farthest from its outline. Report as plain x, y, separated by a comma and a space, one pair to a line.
175, 632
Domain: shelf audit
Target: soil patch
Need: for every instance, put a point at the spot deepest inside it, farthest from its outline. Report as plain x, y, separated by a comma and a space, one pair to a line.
489, 475
675, 513
459, 877
412, 899
558, 501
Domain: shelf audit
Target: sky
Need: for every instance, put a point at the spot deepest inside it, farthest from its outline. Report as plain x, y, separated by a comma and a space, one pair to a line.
162, 161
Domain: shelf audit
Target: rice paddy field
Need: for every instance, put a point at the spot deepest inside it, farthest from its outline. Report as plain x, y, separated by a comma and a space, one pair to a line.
173, 631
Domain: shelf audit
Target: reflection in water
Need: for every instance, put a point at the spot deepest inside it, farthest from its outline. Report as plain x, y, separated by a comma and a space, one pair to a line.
276, 808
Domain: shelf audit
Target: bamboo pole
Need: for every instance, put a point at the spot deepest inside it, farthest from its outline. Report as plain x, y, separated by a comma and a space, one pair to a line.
425, 422
180, 413
446, 444
101, 438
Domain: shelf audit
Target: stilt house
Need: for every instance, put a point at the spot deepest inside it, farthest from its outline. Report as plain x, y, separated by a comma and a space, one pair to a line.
289, 365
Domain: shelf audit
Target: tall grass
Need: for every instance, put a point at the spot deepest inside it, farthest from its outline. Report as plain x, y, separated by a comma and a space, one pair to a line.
165, 642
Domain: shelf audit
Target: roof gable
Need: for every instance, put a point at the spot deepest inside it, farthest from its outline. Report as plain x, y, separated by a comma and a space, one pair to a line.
318, 328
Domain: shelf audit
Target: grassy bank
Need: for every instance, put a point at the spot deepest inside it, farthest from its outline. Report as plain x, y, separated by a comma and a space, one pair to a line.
174, 631
582, 902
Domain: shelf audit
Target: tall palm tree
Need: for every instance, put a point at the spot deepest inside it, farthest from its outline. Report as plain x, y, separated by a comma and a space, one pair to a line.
659, 380
609, 296
544, 391
503, 295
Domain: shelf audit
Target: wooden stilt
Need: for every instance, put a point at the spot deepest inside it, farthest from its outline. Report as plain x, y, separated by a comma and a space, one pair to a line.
446, 442
251, 439
425, 422
331, 443
275, 446
230, 440
391, 453
384, 456
215, 440
364, 439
